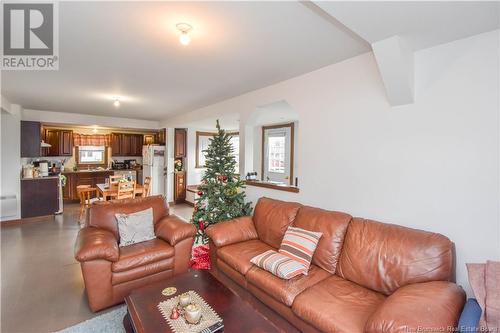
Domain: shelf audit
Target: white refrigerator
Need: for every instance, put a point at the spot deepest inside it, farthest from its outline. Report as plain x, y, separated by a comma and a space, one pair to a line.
153, 165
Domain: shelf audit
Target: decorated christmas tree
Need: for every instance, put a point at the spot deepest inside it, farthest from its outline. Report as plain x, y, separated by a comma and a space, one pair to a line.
220, 194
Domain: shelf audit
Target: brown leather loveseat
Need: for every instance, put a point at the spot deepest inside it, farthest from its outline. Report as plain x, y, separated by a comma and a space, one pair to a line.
365, 276
110, 272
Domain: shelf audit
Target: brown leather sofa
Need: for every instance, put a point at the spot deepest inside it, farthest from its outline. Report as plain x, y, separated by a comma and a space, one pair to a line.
109, 271
365, 276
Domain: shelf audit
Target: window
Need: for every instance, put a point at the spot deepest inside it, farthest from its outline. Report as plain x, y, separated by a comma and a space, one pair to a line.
91, 155
277, 153
276, 157
202, 142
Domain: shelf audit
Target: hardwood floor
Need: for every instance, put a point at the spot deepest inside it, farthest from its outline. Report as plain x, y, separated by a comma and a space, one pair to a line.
41, 283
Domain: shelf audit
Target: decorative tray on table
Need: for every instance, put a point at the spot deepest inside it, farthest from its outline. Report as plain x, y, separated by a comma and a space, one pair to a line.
177, 311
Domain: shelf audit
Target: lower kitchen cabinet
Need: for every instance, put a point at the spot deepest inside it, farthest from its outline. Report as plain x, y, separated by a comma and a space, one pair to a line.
74, 179
179, 186
39, 196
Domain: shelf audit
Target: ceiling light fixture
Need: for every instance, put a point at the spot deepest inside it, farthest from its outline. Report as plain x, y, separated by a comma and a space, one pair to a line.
184, 37
116, 102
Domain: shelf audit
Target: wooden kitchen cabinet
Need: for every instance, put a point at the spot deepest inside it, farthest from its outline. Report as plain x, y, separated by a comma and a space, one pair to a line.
162, 137
115, 144
30, 138
74, 179
179, 186
68, 188
39, 196
66, 143
180, 142
136, 141
125, 144
61, 142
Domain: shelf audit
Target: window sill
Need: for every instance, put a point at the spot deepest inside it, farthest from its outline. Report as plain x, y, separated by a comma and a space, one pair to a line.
286, 188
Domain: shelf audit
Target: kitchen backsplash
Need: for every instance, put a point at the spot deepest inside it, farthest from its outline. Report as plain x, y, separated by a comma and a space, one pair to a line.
70, 162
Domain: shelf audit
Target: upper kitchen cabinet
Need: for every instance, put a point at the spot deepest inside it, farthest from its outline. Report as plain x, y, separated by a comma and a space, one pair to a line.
116, 144
162, 137
30, 138
136, 141
66, 143
125, 144
61, 142
180, 142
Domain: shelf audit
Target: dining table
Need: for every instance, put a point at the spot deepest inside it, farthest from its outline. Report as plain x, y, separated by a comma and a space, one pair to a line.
111, 191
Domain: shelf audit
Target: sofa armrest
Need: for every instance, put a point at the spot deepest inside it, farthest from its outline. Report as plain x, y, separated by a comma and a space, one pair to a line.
419, 307
469, 319
233, 231
96, 243
172, 229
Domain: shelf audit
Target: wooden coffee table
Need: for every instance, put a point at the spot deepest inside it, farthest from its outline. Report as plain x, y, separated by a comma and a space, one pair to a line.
237, 314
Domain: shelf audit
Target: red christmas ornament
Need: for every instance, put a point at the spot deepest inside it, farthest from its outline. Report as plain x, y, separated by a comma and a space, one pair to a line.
200, 193
201, 225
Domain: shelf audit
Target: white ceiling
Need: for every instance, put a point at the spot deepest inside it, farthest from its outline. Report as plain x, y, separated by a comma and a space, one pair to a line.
131, 49
422, 23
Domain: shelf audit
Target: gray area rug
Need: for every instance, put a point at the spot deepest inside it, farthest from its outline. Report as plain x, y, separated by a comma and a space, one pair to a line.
111, 322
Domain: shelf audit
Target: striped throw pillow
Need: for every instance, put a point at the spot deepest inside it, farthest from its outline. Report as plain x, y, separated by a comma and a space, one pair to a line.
278, 264
299, 245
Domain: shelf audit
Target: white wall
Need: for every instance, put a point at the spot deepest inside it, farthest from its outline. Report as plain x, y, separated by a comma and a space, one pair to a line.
10, 154
432, 165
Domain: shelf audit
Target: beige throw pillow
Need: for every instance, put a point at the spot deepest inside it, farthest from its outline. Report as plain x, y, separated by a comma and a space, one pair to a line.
135, 227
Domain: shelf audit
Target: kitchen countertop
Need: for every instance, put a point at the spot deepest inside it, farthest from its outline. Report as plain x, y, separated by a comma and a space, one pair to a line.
80, 171
96, 171
38, 178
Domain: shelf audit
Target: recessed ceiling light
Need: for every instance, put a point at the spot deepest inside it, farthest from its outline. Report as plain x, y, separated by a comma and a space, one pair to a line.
184, 37
116, 102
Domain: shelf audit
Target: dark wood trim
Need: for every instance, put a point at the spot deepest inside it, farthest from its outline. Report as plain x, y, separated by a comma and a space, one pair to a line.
197, 147
286, 188
27, 220
78, 164
189, 203
292, 148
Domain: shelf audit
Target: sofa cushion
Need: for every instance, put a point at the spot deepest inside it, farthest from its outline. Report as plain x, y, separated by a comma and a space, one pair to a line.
272, 218
142, 271
142, 254
238, 255
278, 264
102, 213
300, 244
135, 227
384, 257
333, 225
420, 307
337, 305
285, 291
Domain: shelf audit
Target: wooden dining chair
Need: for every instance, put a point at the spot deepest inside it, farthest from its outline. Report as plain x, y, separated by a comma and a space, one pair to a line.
86, 195
126, 190
114, 179
146, 186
